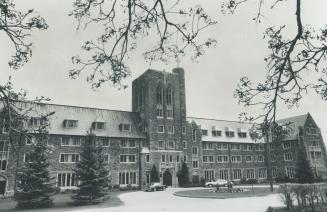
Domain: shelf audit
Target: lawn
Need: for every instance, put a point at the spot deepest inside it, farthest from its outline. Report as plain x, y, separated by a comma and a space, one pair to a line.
63, 202
205, 193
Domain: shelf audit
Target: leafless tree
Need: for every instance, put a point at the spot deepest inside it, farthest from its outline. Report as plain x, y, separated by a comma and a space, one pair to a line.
124, 23
295, 65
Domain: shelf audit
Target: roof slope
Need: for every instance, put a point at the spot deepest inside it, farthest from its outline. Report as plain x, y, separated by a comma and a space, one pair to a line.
223, 125
85, 117
294, 123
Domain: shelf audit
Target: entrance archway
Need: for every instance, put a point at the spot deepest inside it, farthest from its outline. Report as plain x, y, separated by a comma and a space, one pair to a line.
167, 178
3, 182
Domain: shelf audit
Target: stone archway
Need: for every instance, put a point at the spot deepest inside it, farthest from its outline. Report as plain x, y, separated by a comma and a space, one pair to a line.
167, 178
3, 183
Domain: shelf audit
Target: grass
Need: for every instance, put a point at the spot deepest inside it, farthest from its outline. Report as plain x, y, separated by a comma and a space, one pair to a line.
63, 202
296, 209
205, 193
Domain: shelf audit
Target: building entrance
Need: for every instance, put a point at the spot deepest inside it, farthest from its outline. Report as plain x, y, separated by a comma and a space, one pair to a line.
3, 182
167, 178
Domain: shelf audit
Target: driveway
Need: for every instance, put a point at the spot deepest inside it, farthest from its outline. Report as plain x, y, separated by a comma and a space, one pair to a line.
166, 201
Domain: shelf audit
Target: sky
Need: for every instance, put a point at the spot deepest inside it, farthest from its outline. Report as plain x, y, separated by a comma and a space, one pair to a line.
210, 82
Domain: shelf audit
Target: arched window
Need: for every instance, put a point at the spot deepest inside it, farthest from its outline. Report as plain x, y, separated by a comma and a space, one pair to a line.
169, 96
159, 95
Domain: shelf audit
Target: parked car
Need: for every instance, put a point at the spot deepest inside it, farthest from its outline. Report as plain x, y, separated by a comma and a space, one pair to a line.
218, 183
157, 187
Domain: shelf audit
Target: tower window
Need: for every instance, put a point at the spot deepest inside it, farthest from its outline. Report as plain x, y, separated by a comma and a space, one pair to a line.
169, 96
159, 95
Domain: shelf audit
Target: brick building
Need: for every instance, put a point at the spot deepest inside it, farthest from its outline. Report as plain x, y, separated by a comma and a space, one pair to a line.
157, 132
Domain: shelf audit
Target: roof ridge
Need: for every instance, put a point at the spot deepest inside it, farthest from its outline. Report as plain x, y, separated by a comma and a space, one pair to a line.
213, 119
76, 106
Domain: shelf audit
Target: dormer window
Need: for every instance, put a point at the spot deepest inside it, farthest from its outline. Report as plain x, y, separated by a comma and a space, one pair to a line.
204, 132
229, 133
37, 122
242, 134
125, 127
98, 125
216, 133
70, 123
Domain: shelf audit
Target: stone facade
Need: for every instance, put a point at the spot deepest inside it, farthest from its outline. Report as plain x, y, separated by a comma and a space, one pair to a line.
157, 132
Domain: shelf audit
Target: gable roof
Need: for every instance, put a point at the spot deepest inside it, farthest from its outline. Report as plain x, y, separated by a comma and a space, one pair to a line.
294, 123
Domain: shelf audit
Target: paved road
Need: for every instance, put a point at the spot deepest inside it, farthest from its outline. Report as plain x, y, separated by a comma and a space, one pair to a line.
166, 201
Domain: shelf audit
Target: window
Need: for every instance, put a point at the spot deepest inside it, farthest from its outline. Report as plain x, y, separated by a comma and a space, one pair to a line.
169, 96
161, 144
126, 178
311, 131
184, 130
105, 142
170, 158
159, 111
236, 158
261, 147
3, 160
66, 180
271, 146
288, 157
195, 164
262, 173
222, 158
37, 122
161, 129
223, 174
193, 135
69, 157
125, 127
274, 172
237, 174
204, 132
209, 175
208, 159
171, 129
163, 158
286, 145
272, 157
177, 158
169, 112
194, 150
235, 146
171, 144
127, 143
147, 158
70, 123
314, 143
27, 158
219, 146
69, 141
207, 146
248, 158
159, 95
98, 125
185, 158
225, 146
260, 158
127, 158
4, 145
106, 158
184, 145
242, 134
29, 140
290, 172
216, 133
230, 134
249, 174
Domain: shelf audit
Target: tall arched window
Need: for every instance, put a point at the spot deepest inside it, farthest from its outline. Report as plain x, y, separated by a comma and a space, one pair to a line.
169, 96
159, 95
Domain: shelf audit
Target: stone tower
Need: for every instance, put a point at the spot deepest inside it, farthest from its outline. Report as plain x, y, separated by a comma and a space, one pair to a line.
159, 98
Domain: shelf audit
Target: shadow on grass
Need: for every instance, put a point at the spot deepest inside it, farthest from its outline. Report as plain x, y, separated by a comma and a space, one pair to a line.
64, 202
209, 193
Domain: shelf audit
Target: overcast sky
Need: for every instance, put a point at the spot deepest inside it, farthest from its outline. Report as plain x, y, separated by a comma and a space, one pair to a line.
209, 83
